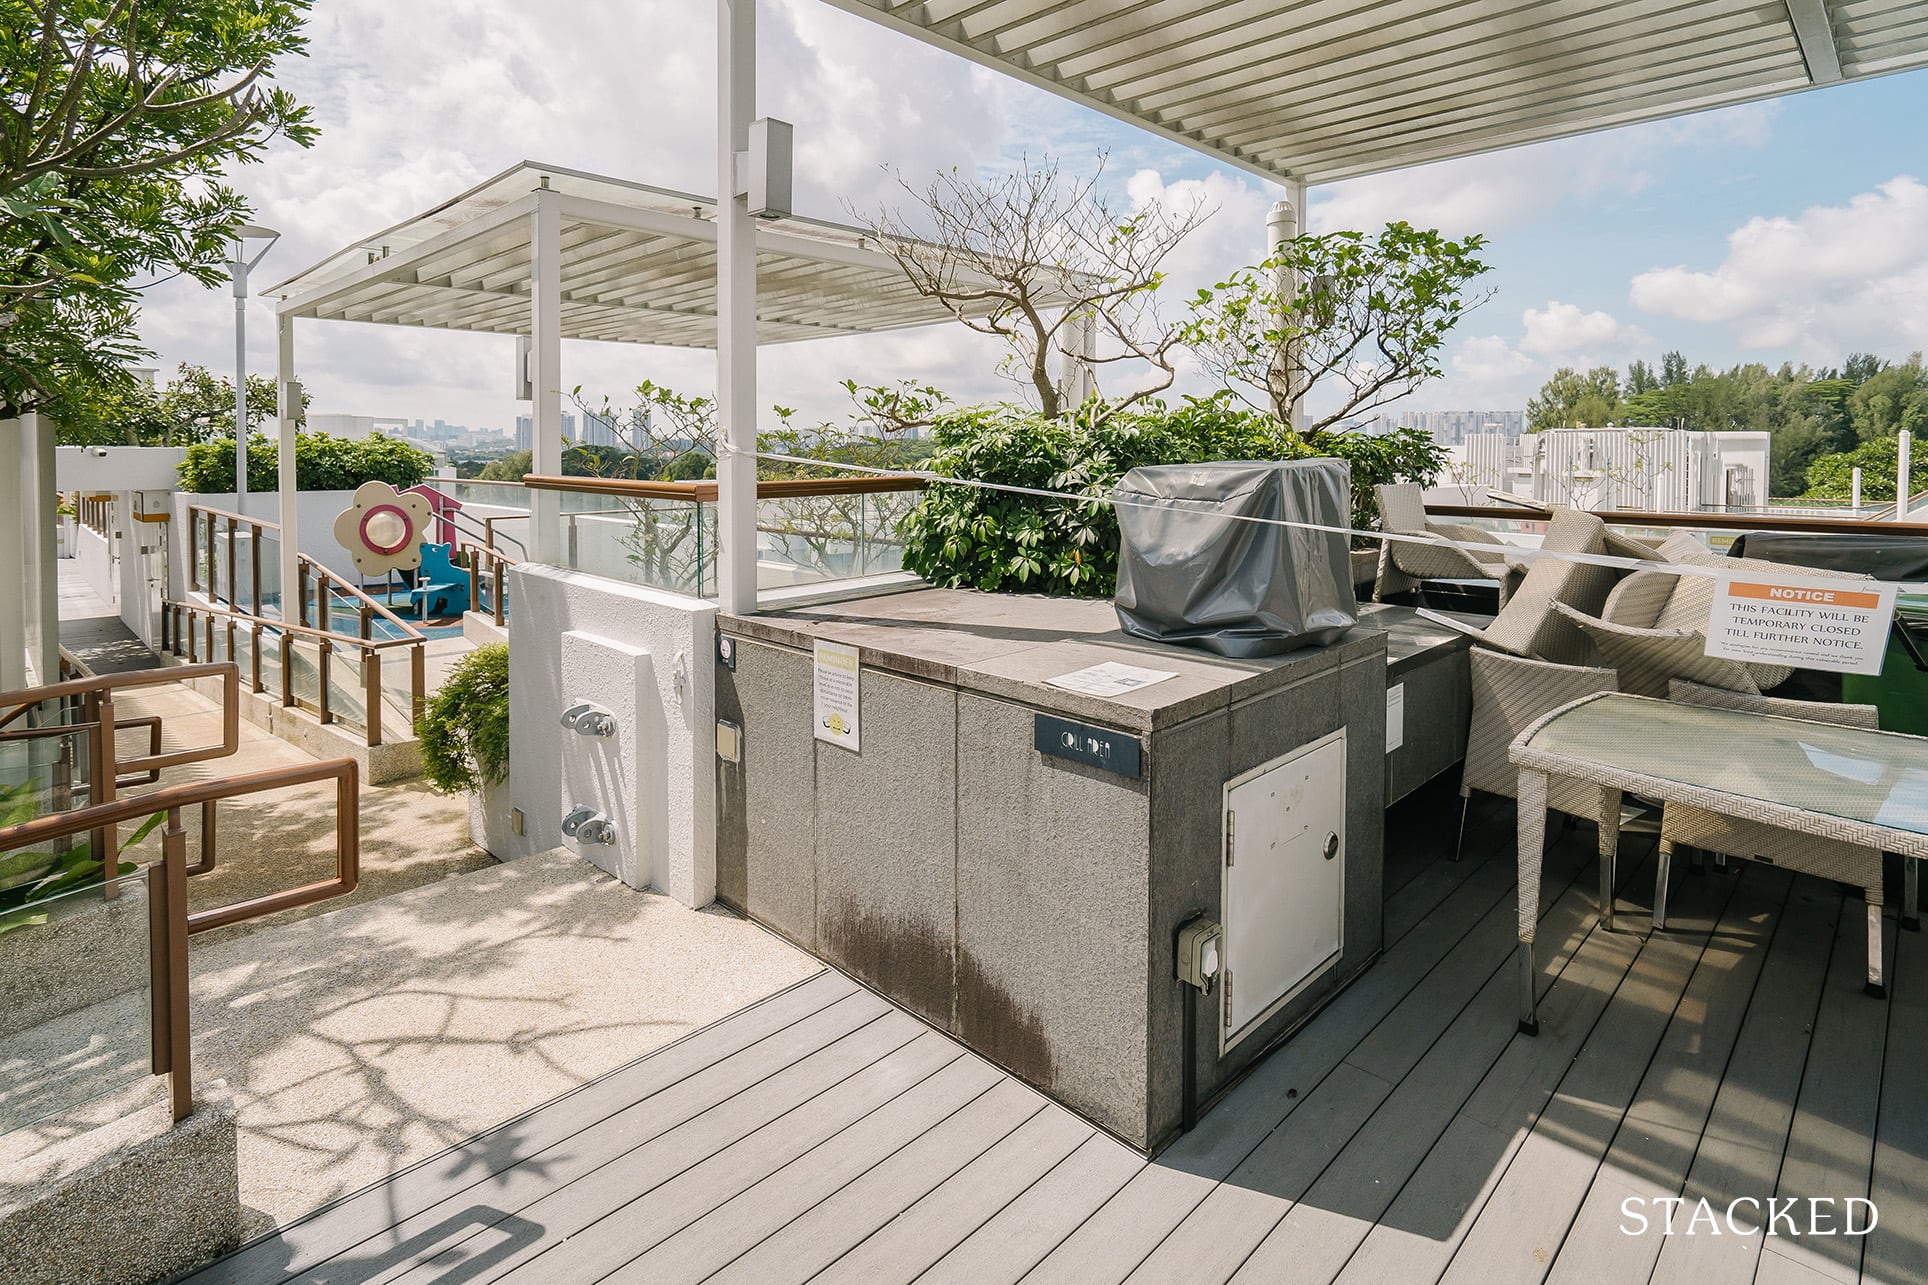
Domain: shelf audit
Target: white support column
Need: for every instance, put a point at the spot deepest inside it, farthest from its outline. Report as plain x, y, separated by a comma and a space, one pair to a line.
288, 392
1904, 483
1285, 221
1078, 342
736, 307
545, 374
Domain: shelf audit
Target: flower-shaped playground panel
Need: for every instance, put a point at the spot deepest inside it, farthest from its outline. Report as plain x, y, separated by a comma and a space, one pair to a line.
383, 529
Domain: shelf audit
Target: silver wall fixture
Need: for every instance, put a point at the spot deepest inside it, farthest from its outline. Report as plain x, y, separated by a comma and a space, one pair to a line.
586, 826
587, 720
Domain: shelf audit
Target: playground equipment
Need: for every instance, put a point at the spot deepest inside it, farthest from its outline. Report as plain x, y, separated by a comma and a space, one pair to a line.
411, 533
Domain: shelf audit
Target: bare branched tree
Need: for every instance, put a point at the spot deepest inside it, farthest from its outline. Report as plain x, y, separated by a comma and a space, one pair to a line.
1045, 262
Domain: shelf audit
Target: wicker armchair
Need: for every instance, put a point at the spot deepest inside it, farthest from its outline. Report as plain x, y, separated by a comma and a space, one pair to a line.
1510, 694
1682, 826
1653, 626
1528, 625
1404, 565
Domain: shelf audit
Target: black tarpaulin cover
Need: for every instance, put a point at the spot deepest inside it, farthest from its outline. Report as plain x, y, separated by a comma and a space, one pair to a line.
1190, 572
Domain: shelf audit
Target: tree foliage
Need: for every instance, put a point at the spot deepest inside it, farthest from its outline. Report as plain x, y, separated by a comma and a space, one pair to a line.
120, 117
322, 463
974, 537
1367, 315
1831, 477
195, 406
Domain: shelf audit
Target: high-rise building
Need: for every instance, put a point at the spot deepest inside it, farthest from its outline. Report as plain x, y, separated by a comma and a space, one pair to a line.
525, 432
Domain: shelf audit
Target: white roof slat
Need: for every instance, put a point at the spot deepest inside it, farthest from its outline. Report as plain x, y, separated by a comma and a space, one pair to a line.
1320, 90
1623, 91
1453, 76
638, 264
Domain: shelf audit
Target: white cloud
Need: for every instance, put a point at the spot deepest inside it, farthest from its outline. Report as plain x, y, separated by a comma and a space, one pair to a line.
1563, 329
1830, 279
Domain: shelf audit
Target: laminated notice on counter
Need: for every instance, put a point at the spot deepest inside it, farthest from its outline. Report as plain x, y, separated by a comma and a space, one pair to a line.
1109, 679
1808, 622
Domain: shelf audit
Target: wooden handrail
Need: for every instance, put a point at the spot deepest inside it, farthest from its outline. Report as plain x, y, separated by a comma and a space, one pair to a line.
355, 591
169, 922
306, 631
262, 524
1696, 521
705, 492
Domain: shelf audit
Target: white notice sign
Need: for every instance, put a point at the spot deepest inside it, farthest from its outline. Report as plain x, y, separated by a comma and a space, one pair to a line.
837, 694
1807, 622
1109, 679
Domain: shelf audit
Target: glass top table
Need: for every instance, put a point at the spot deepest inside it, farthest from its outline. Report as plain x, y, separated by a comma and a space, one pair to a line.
1847, 773
1845, 784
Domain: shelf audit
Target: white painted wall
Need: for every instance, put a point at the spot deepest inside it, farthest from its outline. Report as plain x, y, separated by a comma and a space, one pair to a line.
569, 634
118, 468
93, 558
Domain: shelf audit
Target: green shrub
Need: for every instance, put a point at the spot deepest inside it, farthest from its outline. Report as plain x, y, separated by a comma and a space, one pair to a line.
322, 463
967, 537
1831, 477
465, 726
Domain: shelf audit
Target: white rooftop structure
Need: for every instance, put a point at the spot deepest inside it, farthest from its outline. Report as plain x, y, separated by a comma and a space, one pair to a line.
638, 266
1315, 90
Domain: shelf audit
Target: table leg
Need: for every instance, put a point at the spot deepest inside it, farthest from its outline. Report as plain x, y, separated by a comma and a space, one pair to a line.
1877, 981
1911, 894
1532, 849
1609, 851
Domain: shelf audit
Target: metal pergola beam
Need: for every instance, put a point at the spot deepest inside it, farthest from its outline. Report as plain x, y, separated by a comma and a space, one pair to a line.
1816, 34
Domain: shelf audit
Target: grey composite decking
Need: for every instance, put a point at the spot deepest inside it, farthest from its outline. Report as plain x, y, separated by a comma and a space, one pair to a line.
1405, 1134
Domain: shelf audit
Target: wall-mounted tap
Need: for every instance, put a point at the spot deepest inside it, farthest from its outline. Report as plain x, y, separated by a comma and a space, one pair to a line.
598, 830
586, 720
579, 814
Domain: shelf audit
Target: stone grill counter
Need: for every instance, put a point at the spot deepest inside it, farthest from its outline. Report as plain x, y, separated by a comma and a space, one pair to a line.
1028, 904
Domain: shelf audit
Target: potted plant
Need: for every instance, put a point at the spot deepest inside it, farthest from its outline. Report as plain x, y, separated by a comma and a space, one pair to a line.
464, 731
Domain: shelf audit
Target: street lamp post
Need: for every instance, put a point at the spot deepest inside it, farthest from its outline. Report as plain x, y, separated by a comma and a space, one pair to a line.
242, 264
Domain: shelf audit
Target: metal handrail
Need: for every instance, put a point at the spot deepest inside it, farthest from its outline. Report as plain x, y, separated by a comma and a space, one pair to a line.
705, 492
170, 924
179, 634
1694, 521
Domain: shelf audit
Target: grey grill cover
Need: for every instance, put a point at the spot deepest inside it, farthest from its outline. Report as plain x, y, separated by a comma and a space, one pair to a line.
1187, 573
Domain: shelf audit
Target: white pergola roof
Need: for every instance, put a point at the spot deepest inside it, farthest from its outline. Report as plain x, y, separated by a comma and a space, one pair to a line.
638, 266
1317, 90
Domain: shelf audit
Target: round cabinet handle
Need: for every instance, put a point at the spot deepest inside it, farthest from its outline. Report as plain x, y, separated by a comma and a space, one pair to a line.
1331, 845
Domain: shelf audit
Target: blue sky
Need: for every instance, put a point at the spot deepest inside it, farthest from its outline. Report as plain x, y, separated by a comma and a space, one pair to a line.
1793, 230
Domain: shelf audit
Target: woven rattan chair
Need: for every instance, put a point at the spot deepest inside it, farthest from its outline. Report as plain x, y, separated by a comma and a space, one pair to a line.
1653, 626
1849, 863
1404, 565
1528, 625
1510, 694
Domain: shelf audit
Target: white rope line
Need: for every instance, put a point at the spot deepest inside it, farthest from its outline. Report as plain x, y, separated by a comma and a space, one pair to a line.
1522, 553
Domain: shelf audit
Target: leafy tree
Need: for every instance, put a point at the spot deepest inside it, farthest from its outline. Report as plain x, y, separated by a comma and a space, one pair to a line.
1032, 258
1370, 314
510, 468
1573, 400
1890, 400
1831, 477
196, 406
120, 117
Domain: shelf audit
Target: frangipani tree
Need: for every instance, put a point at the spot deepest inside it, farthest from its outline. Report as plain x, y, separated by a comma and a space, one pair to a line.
1367, 315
